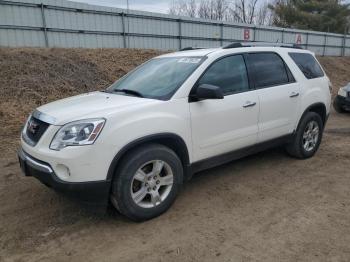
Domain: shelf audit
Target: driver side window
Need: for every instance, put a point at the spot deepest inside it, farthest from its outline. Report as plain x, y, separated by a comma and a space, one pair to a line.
229, 73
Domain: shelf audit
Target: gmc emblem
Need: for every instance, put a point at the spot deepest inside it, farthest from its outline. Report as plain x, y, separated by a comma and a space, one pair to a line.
32, 127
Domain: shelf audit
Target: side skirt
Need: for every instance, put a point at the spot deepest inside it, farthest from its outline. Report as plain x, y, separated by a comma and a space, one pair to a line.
240, 153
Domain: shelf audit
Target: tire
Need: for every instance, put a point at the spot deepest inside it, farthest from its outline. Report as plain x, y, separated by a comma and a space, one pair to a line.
299, 148
137, 181
337, 107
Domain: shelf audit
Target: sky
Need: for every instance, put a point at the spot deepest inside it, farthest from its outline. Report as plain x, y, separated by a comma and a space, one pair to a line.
158, 6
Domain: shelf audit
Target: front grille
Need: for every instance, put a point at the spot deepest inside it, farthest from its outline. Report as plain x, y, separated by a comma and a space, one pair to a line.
35, 129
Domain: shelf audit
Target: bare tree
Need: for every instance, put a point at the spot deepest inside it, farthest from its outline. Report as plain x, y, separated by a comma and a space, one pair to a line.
242, 11
220, 8
183, 8
204, 9
213, 9
264, 15
192, 8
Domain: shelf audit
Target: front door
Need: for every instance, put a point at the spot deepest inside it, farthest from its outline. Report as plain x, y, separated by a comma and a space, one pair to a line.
223, 125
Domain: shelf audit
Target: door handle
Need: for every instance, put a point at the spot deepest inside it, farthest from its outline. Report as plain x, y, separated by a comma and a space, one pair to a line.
294, 94
249, 104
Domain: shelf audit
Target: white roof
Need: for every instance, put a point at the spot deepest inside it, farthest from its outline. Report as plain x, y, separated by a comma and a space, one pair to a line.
218, 51
196, 52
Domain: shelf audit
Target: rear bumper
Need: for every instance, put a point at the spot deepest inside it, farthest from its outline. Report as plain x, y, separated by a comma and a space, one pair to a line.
343, 102
93, 194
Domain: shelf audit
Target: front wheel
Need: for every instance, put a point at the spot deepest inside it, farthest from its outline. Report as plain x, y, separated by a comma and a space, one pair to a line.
307, 138
147, 182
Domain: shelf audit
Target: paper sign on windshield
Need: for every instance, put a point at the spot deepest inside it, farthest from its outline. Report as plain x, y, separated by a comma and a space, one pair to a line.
189, 60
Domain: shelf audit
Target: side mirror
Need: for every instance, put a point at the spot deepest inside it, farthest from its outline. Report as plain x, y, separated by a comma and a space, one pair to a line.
206, 91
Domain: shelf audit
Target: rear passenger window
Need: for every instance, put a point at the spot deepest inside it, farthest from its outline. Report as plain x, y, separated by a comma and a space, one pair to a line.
229, 73
307, 64
270, 70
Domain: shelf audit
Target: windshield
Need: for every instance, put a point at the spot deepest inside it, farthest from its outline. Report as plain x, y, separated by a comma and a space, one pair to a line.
158, 78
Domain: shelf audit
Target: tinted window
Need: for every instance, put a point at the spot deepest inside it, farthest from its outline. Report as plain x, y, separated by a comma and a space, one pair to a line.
307, 64
269, 69
229, 73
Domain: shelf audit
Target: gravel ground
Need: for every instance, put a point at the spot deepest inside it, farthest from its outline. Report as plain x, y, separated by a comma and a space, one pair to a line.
266, 207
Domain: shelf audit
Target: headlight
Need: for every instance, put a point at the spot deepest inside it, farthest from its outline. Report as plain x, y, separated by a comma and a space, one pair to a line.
78, 133
342, 92
24, 128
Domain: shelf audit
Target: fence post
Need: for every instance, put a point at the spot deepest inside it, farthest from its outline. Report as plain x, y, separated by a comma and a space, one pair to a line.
344, 43
44, 24
307, 40
222, 34
282, 36
254, 32
180, 34
123, 25
324, 45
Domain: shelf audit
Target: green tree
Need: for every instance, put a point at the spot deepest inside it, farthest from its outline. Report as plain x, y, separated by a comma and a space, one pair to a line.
322, 15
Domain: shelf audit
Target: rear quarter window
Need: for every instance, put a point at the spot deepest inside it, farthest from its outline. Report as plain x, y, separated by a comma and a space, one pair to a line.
307, 64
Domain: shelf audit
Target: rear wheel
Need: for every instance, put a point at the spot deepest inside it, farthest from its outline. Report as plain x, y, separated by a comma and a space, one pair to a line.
147, 182
308, 136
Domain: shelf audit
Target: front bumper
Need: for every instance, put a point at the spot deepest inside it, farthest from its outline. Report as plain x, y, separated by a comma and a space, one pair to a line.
93, 194
343, 102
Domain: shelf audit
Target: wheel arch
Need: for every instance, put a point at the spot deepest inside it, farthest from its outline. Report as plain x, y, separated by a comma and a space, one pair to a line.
318, 108
173, 141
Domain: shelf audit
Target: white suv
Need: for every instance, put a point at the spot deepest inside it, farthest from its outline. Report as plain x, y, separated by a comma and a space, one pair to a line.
137, 142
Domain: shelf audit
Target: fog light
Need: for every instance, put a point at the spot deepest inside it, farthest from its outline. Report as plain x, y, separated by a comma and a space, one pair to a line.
62, 171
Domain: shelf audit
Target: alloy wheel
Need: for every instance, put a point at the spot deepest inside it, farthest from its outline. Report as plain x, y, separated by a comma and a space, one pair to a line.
311, 136
152, 183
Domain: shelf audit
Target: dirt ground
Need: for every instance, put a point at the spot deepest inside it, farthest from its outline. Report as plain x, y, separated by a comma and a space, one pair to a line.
266, 207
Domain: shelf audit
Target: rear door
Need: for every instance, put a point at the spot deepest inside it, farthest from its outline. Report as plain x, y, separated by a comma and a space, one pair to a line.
278, 93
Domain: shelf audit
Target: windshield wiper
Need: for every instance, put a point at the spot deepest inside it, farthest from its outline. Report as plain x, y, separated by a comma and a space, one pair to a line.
129, 92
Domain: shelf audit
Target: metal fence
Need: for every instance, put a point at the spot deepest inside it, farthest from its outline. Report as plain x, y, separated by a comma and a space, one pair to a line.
60, 23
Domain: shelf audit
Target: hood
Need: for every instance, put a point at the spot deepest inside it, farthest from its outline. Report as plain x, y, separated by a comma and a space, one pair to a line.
89, 105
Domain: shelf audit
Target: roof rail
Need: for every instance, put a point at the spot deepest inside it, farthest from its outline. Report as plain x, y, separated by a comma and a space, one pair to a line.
254, 44
190, 48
